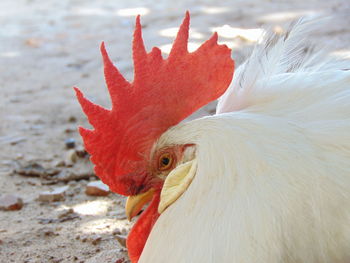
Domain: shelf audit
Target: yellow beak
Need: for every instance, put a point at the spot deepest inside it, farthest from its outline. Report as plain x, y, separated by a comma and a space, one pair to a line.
176, 184
135, 203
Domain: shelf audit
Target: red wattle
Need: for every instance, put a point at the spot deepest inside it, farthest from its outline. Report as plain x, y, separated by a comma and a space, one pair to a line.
139, 233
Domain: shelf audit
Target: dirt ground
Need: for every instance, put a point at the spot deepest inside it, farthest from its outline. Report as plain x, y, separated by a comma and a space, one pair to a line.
46, 48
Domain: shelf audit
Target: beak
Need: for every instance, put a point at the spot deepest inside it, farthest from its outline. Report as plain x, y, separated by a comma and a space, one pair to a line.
176, 184
135, 203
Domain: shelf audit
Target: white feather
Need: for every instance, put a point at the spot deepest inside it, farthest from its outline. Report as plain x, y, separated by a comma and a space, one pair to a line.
276, 56
273, 178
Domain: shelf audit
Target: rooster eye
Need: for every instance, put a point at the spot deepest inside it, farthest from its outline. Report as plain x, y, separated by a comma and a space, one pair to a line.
165, 161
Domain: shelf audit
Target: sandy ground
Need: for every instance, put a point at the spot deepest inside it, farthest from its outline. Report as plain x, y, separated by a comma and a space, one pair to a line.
46, 47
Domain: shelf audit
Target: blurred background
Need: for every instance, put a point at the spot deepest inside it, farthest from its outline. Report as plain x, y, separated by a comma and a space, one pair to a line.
52, 208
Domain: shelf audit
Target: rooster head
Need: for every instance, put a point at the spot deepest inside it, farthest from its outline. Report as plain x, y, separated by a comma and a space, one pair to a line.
163, 93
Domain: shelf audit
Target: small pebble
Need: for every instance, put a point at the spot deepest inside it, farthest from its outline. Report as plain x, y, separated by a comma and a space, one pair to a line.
10, 203
57, 194
59, 163
72, 183
46, 232
31, 169
116, 232
97, 188
69, 130
96, 240
19, 156
70, 143
81, 152
66, 213
72, 119
71, 157
121, 240
85, 75
124, 231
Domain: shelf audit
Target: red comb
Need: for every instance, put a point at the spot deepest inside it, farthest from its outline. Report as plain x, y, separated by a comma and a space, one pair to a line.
164, 92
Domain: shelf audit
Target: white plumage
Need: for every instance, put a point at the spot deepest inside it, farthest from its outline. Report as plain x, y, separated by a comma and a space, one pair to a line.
273, 175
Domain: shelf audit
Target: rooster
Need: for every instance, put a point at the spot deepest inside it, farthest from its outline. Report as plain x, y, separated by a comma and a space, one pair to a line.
266, 179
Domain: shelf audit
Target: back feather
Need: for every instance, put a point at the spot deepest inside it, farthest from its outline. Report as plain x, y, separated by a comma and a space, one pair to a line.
286, 56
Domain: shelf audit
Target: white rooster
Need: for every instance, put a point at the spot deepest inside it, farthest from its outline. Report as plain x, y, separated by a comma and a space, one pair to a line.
266, 179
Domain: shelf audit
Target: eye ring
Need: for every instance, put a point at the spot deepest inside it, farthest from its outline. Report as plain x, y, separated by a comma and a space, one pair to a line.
165, 161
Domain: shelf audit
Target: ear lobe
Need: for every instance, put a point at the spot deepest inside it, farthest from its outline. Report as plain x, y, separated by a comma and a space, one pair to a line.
176, 183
